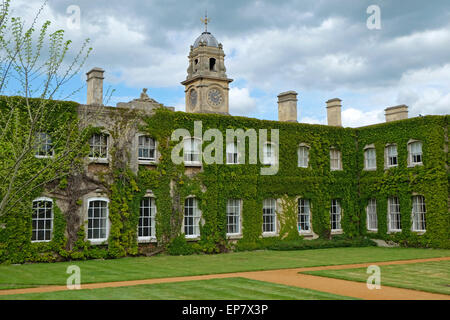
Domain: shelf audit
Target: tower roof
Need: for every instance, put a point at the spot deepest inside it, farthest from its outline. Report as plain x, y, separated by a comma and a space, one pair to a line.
207, 38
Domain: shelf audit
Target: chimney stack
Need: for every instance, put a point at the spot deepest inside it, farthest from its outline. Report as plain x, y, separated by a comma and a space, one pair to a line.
334, 112
95, 86
396, 113
287, 106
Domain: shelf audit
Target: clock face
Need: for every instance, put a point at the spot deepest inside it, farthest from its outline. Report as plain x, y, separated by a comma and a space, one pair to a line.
193, 98
215, 97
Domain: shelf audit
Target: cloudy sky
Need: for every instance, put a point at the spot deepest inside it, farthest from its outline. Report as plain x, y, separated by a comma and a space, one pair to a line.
322, 49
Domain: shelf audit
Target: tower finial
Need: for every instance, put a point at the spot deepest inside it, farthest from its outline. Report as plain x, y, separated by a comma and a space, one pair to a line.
206, 20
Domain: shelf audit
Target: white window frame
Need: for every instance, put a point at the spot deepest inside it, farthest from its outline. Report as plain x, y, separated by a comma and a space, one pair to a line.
234, 205
151, 217
43, 139
269, 159
391, 214
195, 149
270, 204
411, 162
196, 218
232, 150
369, 150
100, 240
306, 204
418, 216
146, 160
106, 157
335, 203
45, 219
303, 155
333, 153
371, 215
389, 153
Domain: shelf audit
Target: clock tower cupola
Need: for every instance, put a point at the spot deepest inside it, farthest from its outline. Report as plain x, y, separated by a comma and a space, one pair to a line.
206, 84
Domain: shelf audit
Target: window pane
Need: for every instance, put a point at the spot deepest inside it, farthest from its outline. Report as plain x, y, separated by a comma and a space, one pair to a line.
233, 216
269, 215
303, 215
97, 219
42, 219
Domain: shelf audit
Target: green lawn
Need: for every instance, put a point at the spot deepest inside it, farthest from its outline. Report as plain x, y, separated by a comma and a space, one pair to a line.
427, 276
215, 289
28, 275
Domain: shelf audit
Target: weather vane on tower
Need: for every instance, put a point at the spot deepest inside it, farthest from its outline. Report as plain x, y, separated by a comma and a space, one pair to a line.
206, 20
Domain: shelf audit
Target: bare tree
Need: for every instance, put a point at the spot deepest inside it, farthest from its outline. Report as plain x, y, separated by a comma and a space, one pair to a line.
40, 137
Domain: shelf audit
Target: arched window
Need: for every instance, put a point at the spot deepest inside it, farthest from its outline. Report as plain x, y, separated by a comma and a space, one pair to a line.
419, 211
146, 148
303, 156
146, 226
192, 216
212, 64
192, 149
98, 219
42, 220
269, 216
98, 144
44, 146
232, 153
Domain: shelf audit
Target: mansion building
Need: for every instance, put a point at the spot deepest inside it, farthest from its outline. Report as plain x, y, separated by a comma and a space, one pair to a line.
387, 181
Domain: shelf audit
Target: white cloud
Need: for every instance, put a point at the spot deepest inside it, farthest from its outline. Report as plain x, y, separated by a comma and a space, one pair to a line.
356, 118
241, 103
311, 120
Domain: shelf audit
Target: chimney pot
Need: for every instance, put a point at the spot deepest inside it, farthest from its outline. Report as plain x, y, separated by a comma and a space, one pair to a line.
95, 86
287, 106
396, 113
334, 112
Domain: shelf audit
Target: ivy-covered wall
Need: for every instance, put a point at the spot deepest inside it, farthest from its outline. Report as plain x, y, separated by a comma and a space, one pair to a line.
429, 180
214, 184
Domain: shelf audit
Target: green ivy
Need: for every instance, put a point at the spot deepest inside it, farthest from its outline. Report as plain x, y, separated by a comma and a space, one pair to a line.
214, 184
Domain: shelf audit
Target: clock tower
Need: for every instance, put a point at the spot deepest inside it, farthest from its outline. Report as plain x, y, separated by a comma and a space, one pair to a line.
206, 84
